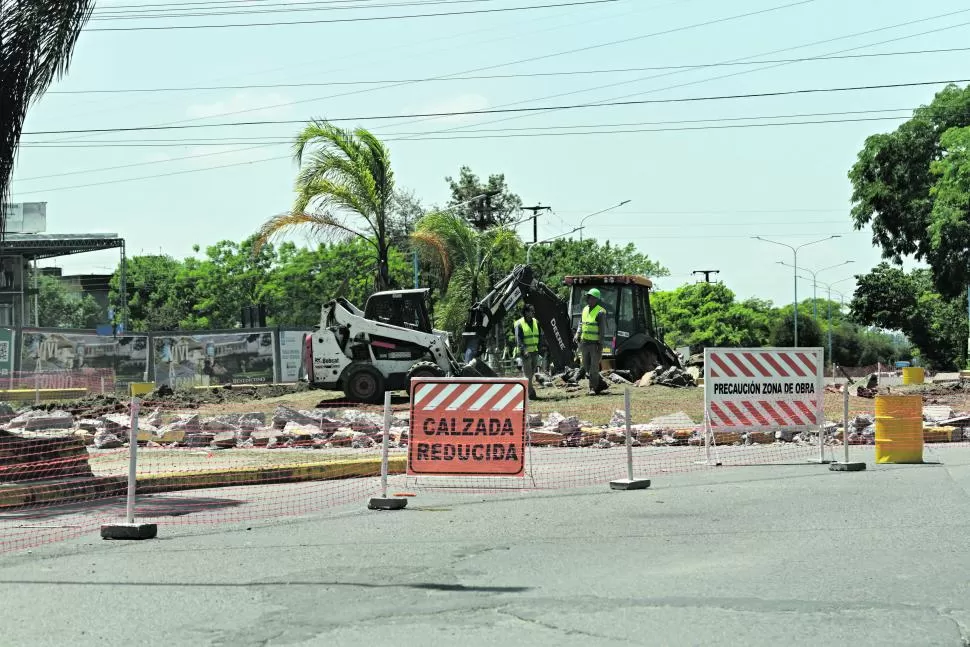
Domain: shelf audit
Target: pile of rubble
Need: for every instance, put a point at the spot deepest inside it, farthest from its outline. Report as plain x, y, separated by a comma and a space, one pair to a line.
673, 377
664, 431
286, 428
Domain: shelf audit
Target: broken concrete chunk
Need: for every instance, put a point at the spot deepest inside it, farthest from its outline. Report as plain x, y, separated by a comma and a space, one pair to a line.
107, 440
300, 431
37, 420
283, 415
224, 440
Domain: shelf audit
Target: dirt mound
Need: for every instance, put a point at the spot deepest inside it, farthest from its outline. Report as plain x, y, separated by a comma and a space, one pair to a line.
99, 405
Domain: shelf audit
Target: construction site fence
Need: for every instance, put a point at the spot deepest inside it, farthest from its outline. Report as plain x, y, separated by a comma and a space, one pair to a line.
63, 474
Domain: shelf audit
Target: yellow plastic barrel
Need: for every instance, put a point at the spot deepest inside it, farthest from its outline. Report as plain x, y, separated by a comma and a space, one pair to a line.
913, 375
899, 429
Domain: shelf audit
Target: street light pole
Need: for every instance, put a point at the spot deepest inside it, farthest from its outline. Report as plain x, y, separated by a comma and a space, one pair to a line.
795, 271
584, 218
814, 282
828, 286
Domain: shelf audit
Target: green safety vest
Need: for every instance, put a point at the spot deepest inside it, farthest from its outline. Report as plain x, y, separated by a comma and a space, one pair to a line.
591, 327
530, 335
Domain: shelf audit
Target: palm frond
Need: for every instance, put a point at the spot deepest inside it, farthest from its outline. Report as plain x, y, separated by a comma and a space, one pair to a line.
323, 224
37, 39
430, 241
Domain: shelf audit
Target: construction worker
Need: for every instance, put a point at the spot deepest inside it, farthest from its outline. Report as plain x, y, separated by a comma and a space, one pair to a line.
527, 343
591, 336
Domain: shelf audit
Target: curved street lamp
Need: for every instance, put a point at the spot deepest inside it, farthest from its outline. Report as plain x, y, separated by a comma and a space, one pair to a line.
795, 274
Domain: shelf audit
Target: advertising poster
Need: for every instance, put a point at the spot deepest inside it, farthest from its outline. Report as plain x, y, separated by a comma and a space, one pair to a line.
6, 352
186, 361
291, 355
49, 351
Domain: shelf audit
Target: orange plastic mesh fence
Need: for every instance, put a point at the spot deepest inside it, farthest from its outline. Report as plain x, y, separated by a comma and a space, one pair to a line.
63, 471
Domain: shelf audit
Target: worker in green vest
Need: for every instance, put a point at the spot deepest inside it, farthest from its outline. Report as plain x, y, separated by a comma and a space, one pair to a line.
527, 343
590, 335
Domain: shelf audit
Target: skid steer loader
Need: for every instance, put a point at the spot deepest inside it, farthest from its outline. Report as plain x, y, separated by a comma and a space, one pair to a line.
366, 353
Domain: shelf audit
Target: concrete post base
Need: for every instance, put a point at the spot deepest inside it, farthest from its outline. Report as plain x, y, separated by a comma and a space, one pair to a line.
627, 484
129, 531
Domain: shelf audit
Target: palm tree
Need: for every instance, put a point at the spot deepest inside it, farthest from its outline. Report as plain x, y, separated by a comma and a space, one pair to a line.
464, 256
37, 38
345, 176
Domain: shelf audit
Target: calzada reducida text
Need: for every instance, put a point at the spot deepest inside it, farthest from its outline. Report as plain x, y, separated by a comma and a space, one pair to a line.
485, 451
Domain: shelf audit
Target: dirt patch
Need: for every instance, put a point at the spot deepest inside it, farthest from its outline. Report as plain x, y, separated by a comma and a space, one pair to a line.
163, 397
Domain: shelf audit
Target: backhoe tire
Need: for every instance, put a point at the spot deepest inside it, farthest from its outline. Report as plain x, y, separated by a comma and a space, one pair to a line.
640, 362
422, 369
364, 383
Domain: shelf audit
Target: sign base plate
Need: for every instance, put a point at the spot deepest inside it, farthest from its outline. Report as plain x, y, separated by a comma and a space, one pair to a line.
628, 484
847, 467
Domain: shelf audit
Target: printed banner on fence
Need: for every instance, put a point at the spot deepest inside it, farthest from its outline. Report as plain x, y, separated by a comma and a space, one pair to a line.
6, 352
291, 355
467, 427
764, 388
50, 351
185, 361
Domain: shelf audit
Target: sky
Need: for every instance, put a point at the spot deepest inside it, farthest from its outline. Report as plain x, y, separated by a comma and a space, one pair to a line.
703, 169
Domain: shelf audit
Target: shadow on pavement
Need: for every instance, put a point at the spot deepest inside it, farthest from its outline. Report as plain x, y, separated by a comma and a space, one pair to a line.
148, 507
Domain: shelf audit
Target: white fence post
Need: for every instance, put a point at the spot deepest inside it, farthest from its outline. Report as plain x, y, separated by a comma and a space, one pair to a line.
846, 465
130, 529
384, 503
629, 483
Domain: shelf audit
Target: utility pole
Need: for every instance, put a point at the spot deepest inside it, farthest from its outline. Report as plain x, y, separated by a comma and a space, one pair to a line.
535, 223
707, 274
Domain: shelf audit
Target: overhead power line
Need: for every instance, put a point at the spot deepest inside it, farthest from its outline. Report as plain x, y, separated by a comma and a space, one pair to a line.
485, 77
106, 14
487, 111
273, 140
449, 138
357, 19
721, 76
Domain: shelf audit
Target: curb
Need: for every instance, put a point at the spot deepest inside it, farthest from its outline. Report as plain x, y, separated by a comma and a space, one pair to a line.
330, 471
76, 490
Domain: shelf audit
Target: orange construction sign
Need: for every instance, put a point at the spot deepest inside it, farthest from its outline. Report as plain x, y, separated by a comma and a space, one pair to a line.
467, 427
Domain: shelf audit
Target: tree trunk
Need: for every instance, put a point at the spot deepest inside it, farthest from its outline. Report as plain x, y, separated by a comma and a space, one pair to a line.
383, 270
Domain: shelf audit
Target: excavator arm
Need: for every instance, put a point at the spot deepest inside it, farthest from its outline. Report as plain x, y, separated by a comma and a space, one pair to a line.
551, 312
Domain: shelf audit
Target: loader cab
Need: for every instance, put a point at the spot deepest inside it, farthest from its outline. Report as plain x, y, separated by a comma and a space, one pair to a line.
629, 320
404, 308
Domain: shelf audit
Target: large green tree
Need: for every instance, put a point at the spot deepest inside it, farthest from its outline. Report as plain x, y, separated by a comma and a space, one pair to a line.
499, 206
58, 307
783, 331
700, 315
230, 277
567, 256
303, 279
158, 297
345, 189
892, 299
911, 186
37, 38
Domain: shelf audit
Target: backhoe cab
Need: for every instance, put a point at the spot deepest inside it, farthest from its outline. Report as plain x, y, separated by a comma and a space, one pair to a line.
632, 342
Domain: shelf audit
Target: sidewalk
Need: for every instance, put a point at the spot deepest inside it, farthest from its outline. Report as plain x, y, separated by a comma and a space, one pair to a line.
767, 555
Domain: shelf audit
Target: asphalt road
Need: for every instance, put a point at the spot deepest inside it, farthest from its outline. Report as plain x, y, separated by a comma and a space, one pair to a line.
768, 555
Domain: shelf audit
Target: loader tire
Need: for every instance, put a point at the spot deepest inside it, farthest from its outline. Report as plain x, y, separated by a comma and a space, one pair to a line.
422, 369
364, 383
640, 362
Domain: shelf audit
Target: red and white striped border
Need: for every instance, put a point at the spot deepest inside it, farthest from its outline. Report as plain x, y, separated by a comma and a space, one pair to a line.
762, 413
494, 397
773, 411
744, 363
